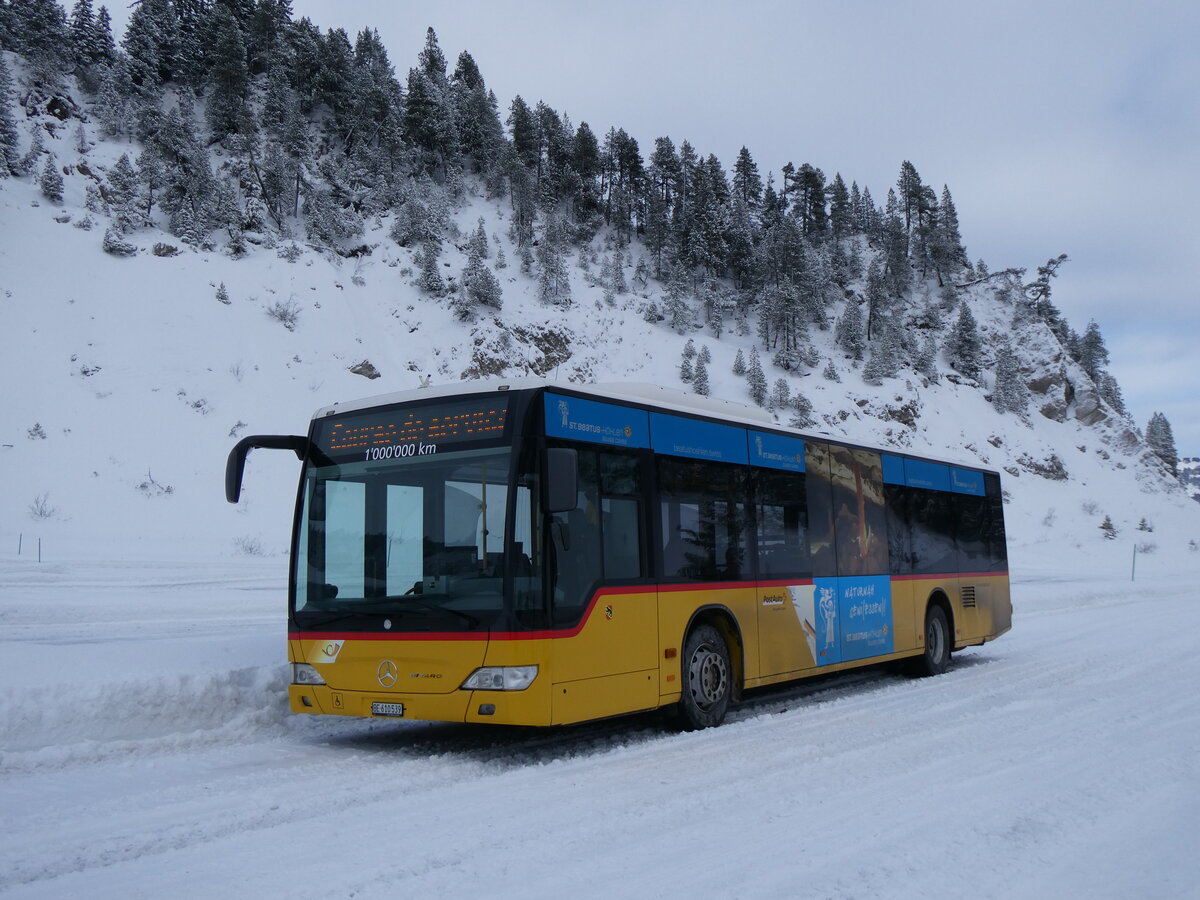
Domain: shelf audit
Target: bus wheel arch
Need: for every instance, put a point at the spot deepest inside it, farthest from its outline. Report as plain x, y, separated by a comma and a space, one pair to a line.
937, 637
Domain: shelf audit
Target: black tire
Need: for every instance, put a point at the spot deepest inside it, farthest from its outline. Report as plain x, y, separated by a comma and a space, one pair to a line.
936, 658
707, 679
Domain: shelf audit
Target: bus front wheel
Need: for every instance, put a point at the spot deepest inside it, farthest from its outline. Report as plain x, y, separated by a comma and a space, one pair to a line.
707, 679
936, 658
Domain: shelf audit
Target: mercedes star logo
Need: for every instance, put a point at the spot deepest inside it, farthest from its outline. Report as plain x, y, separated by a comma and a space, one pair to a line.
387, 673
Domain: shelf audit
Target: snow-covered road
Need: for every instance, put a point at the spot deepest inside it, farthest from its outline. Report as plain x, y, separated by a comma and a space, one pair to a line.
146, 751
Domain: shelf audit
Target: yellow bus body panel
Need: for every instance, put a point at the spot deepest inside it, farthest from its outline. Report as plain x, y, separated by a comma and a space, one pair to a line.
625, 655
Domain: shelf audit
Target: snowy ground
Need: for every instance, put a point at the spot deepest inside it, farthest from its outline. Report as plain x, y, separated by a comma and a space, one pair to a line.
146, 751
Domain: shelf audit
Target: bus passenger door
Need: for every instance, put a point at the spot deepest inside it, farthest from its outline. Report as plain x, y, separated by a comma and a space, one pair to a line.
605, 651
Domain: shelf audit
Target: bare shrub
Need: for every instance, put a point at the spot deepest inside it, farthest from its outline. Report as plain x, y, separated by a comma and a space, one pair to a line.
286, 312
246, 545
40, 508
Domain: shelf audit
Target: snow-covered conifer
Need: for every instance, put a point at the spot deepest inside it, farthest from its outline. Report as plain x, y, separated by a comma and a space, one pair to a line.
830, 372
1162, 441
739, 363
51, 181
962, 345
780, 394
10, 157
849, 332
700, 383
1009, 393
756, 379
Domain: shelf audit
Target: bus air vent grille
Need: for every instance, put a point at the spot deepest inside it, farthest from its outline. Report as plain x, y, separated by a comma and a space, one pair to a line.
968, 596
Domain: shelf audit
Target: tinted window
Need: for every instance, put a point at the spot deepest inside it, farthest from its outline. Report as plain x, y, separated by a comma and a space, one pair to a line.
781, 515
703, 520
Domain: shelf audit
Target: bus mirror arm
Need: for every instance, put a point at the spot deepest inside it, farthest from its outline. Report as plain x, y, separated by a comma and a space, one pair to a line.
235, 465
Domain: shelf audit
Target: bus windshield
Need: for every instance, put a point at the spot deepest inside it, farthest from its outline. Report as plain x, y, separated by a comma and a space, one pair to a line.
413, 544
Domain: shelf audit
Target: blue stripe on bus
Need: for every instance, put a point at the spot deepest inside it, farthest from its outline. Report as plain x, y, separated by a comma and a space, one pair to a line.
677, 436
776, 451
600, 423
966, 481
893, 469
931, 476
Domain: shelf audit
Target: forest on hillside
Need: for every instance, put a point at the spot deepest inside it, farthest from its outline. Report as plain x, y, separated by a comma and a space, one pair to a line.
256, 129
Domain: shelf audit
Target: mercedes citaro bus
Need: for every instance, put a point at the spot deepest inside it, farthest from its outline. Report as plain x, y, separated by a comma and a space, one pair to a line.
533, 553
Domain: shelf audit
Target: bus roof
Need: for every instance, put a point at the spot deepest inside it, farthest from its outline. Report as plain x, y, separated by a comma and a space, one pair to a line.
651, 395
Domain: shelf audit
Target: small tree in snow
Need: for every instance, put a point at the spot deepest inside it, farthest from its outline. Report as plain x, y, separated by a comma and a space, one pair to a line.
1109, 529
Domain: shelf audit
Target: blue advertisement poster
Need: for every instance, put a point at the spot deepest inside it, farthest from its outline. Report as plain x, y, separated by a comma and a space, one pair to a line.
851, 618
601, 423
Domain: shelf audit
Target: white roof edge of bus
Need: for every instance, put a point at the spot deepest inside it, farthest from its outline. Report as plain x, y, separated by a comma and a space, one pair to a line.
667, 398
638, 392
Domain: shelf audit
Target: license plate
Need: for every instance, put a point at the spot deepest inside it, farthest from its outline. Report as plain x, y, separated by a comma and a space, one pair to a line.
387, 709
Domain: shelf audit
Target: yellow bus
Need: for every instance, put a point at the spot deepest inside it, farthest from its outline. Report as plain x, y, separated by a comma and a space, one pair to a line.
530, 553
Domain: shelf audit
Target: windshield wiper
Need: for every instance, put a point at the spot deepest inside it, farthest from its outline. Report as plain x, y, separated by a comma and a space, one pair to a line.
411, 600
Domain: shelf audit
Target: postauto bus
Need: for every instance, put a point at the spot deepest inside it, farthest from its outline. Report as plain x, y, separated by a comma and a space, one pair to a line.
540, 554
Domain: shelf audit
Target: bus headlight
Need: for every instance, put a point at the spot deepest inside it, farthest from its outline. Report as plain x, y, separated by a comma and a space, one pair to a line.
501, 678
303, 673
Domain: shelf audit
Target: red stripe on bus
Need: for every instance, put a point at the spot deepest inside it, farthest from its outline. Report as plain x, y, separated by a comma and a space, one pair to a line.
559, 633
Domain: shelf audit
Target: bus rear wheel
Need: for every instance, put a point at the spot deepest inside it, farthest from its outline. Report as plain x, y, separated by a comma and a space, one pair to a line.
936, 658
707, 679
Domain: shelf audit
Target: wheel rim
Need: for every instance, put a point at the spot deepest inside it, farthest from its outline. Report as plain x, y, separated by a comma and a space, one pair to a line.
708, 677
935, 639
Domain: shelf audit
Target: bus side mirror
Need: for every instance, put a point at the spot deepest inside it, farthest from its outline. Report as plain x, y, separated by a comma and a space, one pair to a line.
235, 465
562, 480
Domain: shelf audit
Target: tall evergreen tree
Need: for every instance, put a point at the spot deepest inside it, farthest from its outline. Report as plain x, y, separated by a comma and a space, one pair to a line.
10, 155
1092, 355
38, 31
849, 332
747, 183
1009, 393
755, 378
229, 76
1161, 441
963, 345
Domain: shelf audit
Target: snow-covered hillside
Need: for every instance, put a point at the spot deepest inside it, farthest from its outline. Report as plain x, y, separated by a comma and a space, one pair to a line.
128, 381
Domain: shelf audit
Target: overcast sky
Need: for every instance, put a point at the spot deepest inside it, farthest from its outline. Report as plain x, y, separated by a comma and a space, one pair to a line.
1059, 127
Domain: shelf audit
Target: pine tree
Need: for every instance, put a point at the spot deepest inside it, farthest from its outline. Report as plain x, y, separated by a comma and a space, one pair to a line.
51, 181
223, 294
886, 355
431, 280
756, 379
113, 97
38, 29
927, 360
830, 372
229, 76
1091, 354
803, 417
123, 196
1111, 392
700, 383
739, 363
554, 283
1109, 529
1161, 441
1009, 394
849, 332
962, 345
10, 157
780, 394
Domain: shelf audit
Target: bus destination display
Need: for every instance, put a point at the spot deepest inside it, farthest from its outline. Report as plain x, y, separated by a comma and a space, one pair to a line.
412, 431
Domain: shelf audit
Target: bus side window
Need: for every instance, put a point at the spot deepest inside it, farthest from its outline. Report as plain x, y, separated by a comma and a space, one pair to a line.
703, 520
782, 525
